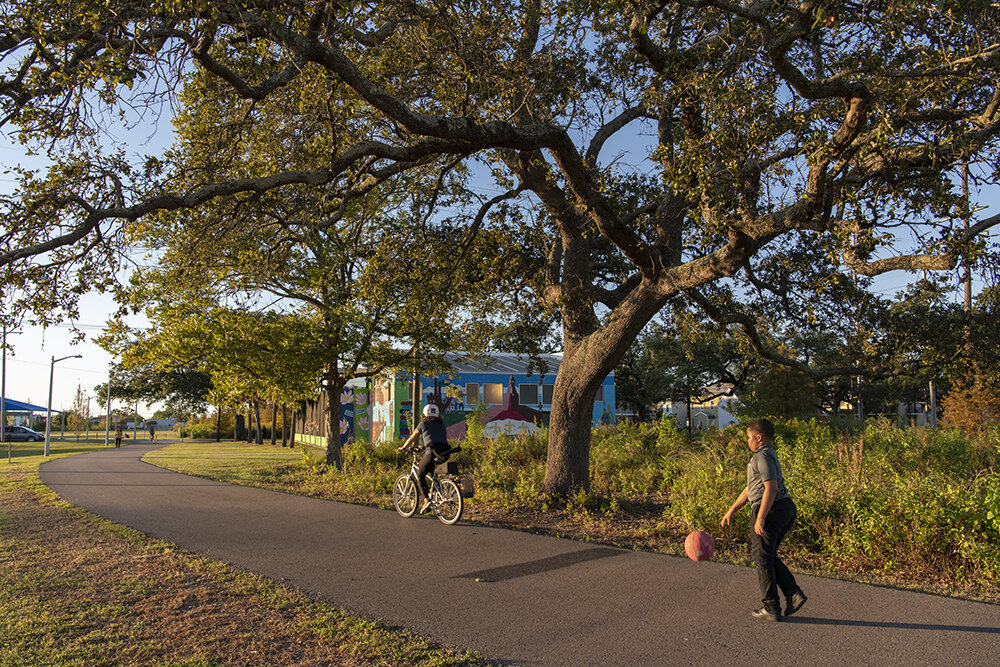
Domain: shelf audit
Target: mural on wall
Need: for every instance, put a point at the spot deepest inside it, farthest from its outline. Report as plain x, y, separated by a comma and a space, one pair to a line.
381, 414
444, 396
384, 416
362, 415
405, 418
510, 418
346, 416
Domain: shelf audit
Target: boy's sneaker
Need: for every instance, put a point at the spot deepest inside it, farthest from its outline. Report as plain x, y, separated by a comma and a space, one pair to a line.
795, 602
765, 614
425, 505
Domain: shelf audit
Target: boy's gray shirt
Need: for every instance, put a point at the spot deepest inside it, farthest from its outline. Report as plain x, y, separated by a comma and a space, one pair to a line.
764, 466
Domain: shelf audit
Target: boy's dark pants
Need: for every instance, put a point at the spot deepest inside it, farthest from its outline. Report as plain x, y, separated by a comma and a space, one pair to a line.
771, 572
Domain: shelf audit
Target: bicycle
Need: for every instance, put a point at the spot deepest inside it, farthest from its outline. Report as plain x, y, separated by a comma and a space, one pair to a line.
445, 496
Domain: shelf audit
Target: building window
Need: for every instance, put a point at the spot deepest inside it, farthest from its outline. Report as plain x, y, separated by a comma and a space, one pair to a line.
471, 393
492, 393
528, 394
547, 394
599, 398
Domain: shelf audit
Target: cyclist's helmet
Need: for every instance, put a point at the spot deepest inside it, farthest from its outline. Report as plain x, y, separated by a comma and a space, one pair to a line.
431, 411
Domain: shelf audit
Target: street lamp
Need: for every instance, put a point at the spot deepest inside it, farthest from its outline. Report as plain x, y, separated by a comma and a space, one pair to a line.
48, 415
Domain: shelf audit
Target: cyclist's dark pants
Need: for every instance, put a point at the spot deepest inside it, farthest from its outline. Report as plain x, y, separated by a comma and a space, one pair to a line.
427, 465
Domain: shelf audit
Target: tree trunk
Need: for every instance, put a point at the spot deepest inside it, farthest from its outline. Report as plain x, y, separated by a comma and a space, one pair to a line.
218, 424
284, 424
274, 424
687, 410
256, 414
587, 360
240, 428
333, 456
568, 464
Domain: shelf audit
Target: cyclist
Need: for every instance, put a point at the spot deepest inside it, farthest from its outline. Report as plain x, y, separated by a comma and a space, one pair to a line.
435, 440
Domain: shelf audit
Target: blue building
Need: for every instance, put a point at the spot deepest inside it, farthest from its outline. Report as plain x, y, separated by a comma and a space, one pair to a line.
496, 383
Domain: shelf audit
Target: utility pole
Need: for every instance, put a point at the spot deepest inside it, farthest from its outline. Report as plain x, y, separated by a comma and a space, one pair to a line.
3, 391
107, 413
86, 429
3, 394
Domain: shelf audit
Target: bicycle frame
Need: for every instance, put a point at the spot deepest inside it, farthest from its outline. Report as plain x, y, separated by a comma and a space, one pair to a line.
444, 497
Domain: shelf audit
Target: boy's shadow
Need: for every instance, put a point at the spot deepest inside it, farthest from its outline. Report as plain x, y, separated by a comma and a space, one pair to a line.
808, 620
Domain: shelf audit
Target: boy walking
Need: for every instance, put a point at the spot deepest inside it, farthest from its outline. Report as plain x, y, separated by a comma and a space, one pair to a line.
772, 513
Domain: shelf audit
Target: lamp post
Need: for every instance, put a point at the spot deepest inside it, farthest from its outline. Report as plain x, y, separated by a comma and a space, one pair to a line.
48, 413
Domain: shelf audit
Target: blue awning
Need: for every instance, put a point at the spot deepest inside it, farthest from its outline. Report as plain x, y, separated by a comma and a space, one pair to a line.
10, 405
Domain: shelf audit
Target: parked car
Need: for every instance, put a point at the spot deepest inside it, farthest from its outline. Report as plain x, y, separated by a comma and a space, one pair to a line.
21, 434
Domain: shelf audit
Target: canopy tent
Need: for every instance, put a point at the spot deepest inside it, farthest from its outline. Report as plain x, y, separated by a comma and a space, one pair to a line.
22, 409
10, 405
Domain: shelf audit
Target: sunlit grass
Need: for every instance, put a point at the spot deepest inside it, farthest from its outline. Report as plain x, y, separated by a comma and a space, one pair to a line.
76, 589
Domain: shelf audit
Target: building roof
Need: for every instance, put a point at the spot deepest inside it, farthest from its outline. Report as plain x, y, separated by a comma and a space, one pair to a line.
495, 362
503, 362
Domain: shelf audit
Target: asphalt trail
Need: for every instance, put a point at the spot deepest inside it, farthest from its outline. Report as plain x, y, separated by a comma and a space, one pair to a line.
518, 598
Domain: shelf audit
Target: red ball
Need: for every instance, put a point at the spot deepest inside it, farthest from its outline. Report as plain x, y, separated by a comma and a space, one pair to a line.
699, 545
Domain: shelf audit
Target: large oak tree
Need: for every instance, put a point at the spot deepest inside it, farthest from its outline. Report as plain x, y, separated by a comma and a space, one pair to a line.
662, 148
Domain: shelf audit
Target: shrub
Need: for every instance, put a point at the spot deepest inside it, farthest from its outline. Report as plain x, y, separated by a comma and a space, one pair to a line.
202, 432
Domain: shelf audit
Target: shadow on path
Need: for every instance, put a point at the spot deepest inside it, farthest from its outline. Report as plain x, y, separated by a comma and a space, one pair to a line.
541, 565
807, 620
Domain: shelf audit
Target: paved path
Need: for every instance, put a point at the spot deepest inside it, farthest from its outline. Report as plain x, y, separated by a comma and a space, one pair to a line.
519, 598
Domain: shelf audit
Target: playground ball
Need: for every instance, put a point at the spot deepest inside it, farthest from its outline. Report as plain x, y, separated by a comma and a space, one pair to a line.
699, 545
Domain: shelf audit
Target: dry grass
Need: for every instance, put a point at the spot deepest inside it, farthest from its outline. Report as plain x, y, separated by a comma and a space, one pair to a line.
79, 590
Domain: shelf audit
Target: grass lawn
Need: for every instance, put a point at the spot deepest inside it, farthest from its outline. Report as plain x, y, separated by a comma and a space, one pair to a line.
76, 589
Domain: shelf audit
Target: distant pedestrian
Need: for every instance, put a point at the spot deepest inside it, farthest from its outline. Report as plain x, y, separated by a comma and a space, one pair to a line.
119, 435
152, 430
771, 515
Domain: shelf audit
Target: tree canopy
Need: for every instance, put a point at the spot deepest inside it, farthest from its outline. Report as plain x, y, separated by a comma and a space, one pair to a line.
738, 156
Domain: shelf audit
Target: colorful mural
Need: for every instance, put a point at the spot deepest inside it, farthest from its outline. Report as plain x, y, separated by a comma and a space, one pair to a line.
362, 415
513, 396
498, 387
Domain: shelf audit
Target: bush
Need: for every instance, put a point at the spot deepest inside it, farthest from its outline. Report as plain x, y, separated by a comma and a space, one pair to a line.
202, 432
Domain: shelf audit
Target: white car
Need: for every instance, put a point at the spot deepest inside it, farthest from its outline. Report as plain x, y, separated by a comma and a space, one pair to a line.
21, 434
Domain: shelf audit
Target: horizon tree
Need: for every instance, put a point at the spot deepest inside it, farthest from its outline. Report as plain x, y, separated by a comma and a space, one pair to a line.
661, 149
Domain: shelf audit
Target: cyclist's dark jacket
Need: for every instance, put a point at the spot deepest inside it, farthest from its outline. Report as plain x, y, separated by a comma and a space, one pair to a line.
433, 433
436, 439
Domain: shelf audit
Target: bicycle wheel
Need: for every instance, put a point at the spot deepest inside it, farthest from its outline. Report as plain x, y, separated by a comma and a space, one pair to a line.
449, 502
404, 495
